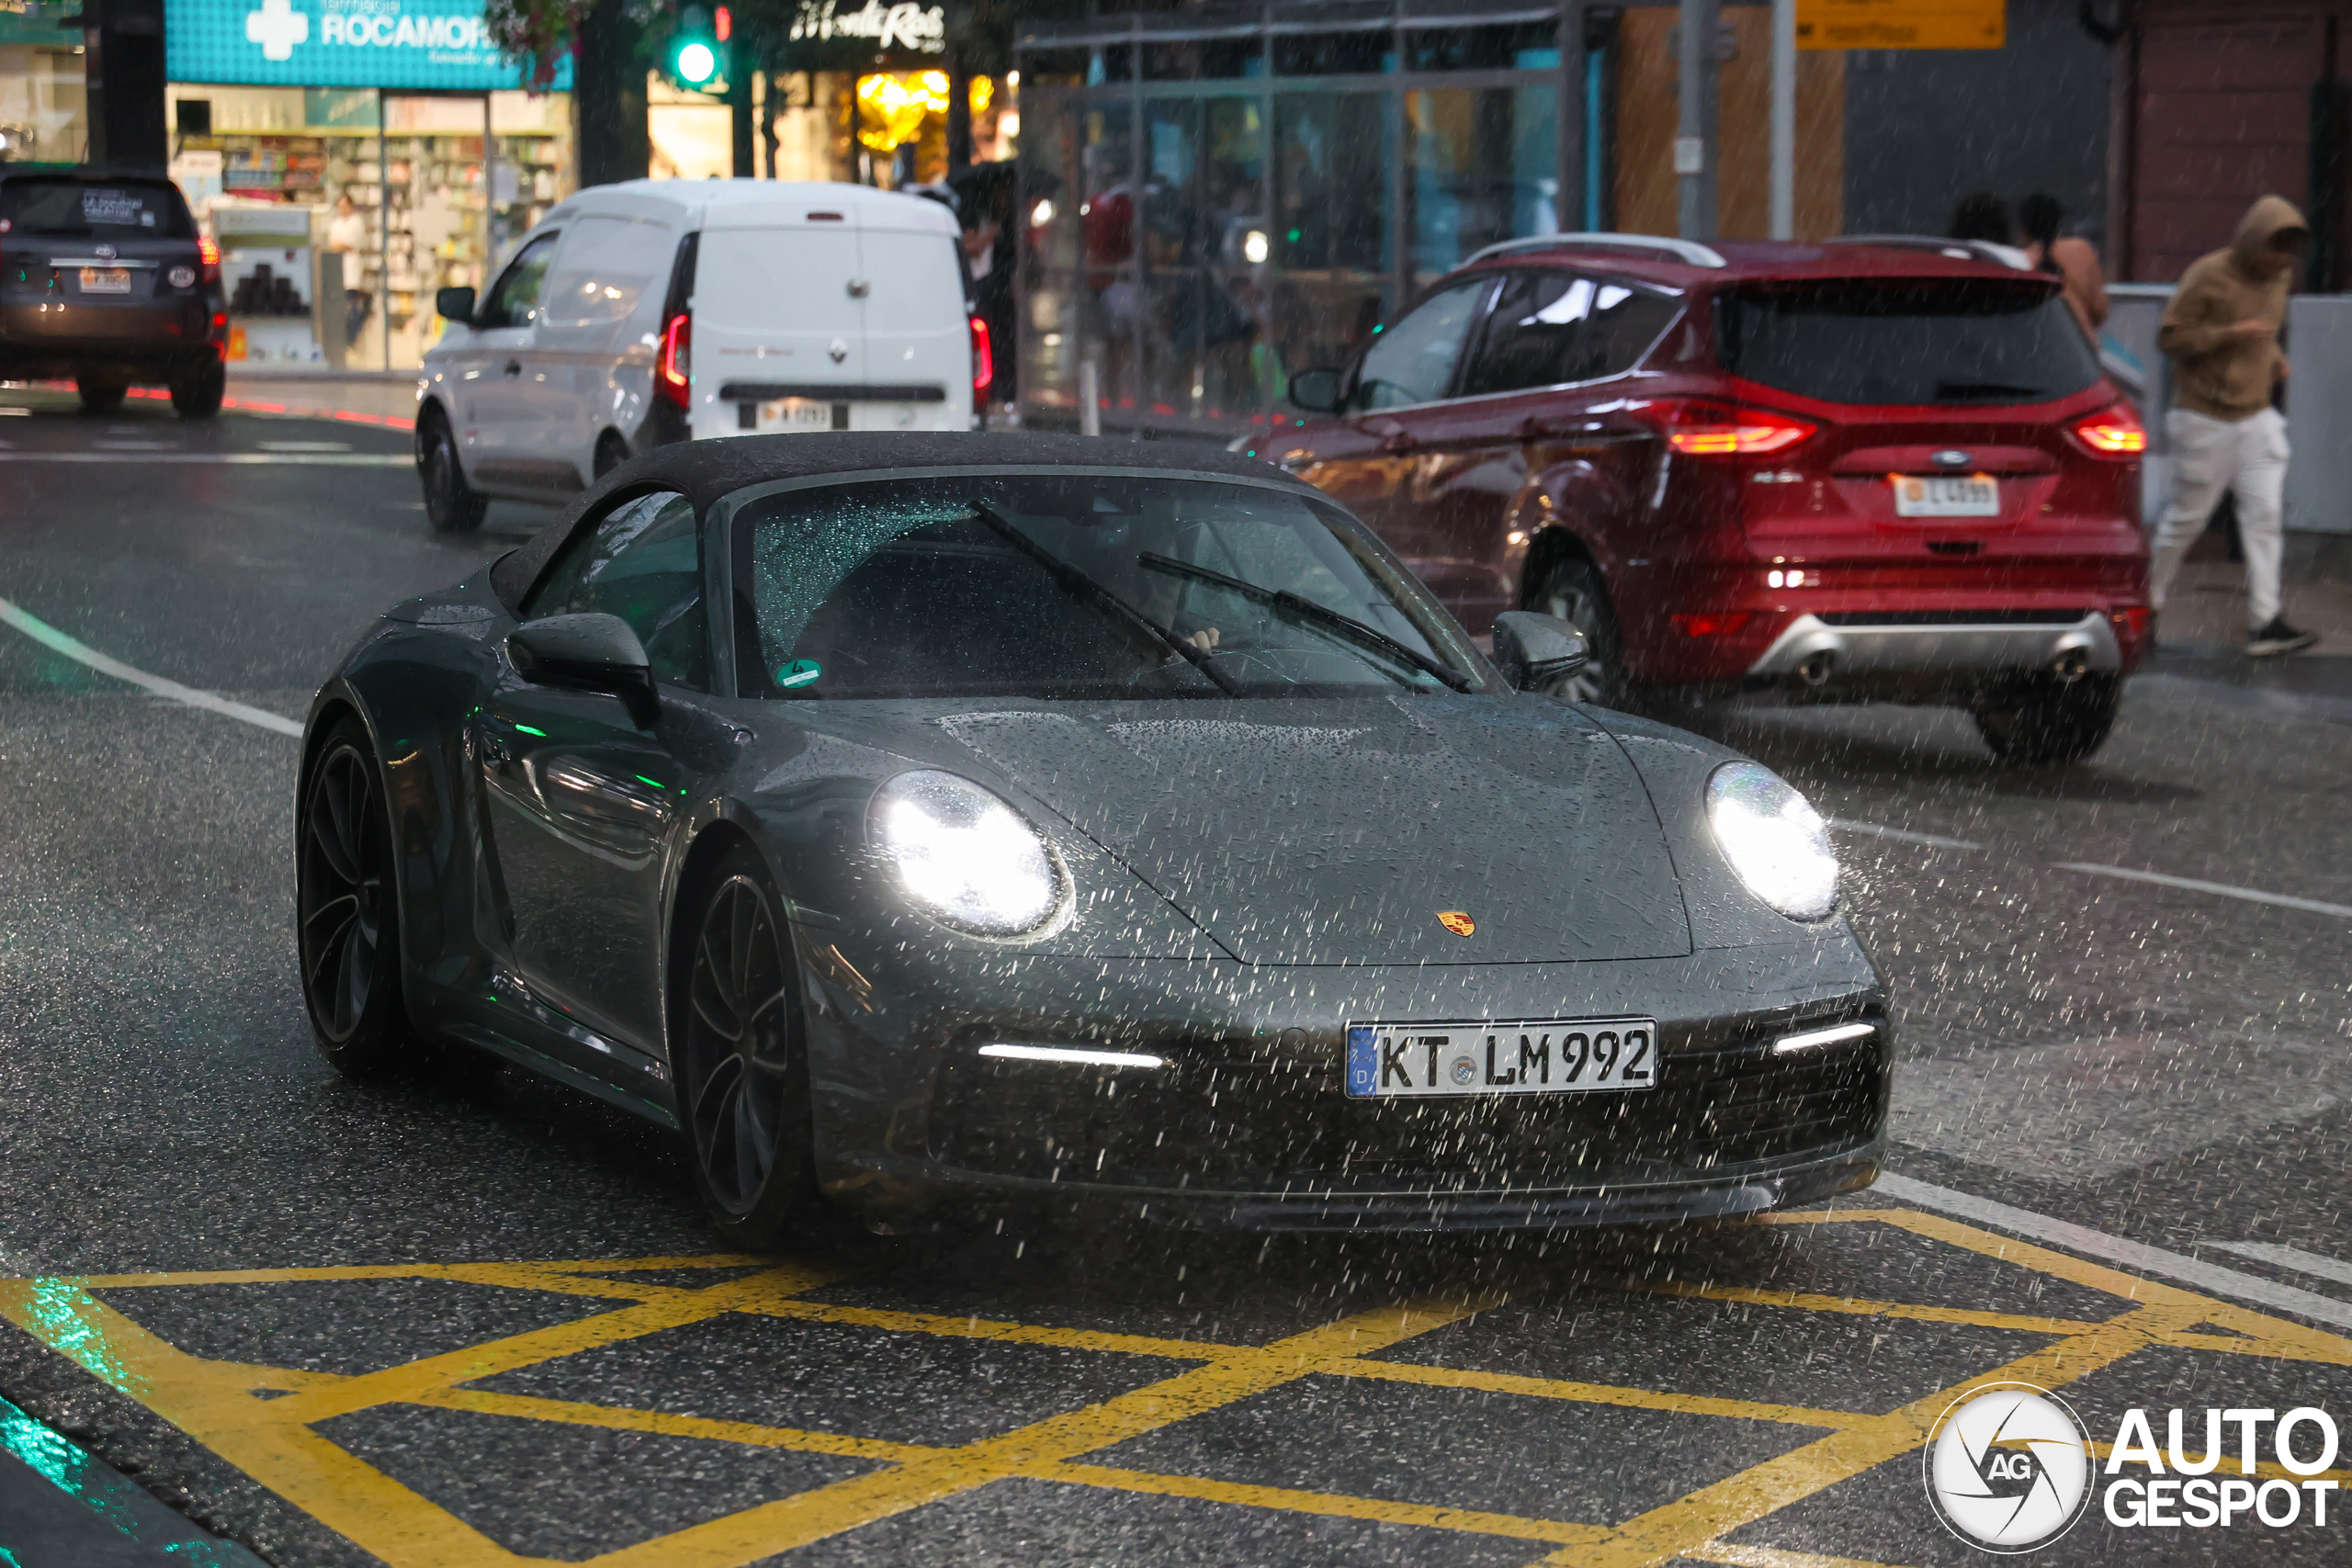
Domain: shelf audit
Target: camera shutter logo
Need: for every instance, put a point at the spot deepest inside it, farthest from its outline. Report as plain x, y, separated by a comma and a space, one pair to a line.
2008, 1468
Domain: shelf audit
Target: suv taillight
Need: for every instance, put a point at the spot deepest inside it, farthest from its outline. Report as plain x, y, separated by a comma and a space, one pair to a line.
2112, 433
209, 255
983, 360
1701, 429
673, 374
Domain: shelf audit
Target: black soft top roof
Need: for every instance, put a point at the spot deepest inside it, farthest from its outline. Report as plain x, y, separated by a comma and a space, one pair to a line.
707, 470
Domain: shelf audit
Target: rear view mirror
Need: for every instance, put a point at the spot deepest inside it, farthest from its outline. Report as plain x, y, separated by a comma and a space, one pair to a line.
590, 653
1535, 650
457, 304
1316, 391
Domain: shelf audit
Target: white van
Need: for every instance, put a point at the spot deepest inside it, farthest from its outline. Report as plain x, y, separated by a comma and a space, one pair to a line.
662, 310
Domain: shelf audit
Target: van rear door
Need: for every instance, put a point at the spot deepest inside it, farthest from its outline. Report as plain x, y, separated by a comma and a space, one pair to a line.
779, 321
918, 329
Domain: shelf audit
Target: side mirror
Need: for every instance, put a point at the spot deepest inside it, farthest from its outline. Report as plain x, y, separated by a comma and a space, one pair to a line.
588, 653
1535, 650
457, 304
1316, 391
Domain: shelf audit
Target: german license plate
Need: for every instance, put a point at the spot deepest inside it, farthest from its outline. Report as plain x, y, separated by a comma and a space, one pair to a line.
1545, 1056
106, 281
796, 414
1923, 496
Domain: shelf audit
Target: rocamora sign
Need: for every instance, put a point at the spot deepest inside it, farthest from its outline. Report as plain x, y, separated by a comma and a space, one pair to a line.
339, 43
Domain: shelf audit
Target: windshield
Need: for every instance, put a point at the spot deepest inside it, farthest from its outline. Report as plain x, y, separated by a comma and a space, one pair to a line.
1081, 586
1907, 341
88, 209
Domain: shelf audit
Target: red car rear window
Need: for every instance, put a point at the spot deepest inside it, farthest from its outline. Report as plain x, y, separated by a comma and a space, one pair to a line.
1907, 340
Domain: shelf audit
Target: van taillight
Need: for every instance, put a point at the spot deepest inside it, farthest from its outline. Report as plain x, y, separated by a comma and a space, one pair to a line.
209, 255
2113, 432
983, 360
1702, 429
674, 375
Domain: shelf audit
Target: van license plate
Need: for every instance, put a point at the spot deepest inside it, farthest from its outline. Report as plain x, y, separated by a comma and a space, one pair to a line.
796, 414
1975, 496
1551, 1055
106, 281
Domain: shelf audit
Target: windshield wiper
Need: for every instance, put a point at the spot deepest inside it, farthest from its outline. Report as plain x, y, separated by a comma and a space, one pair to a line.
1308, 609
1988, 390
1080, 586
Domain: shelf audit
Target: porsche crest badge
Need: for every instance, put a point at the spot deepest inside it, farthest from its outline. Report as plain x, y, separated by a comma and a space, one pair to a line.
1458, 921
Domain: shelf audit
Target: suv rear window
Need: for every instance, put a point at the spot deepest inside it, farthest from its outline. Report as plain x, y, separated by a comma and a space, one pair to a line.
1907, 340
93, 210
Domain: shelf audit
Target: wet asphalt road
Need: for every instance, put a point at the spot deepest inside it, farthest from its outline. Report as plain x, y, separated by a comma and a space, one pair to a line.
476, 1319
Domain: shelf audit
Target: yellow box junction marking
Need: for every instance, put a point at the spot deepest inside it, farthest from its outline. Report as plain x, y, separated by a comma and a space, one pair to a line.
277, 1442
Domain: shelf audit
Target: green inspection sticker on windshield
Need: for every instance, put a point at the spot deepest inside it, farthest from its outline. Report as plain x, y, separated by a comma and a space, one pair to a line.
799, 673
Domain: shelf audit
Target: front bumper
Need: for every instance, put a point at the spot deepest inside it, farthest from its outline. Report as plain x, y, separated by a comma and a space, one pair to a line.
1958, 648
1245, 1123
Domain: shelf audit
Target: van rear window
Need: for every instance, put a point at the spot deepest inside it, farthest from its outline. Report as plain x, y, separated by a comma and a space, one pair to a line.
1907, 340
93, 210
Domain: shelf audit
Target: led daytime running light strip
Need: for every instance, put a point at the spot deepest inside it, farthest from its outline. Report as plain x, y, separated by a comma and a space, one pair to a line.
1823, 1036
1075, 1056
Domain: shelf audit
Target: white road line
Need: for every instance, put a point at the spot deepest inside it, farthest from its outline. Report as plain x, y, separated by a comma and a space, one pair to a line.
1847, 825
271, 459
2293, 1257
2115, 1249
42, 632
2251, 895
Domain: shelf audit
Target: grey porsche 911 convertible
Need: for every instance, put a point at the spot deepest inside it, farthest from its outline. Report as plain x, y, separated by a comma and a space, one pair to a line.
919, 823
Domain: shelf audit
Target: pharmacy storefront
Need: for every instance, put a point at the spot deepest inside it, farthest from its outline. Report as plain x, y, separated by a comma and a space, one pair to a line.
350, 157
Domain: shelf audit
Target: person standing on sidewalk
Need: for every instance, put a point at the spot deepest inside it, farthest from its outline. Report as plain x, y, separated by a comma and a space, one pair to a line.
2220, 331
2071, 258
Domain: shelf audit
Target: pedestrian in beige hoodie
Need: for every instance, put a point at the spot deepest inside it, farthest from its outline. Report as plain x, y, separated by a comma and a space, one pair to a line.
2221, 333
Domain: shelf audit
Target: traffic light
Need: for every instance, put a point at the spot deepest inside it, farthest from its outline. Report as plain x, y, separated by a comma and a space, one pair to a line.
696, 57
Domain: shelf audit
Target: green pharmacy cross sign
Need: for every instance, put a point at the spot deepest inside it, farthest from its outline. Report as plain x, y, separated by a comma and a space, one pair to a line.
418, 44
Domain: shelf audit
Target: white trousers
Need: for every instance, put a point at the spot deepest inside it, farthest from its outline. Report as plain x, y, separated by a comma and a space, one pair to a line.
2246, 457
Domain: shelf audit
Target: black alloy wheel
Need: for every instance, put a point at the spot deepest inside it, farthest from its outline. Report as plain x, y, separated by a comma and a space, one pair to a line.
2045, 722
101, 394
1572, 590
196, 394
744, 1058
452, 505
348, 907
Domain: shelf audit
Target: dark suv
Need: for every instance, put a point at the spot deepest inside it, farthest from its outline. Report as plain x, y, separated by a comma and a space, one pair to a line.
104, 280
1874, 470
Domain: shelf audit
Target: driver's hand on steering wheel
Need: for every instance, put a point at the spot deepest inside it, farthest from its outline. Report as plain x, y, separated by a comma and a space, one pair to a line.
1204, 639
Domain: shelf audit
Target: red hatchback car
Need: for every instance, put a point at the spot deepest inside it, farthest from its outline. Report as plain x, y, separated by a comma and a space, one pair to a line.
1870, 469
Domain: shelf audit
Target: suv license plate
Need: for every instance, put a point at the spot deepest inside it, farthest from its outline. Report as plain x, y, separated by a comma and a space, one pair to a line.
106, 281
796, 414
1549, 1056
1938, 497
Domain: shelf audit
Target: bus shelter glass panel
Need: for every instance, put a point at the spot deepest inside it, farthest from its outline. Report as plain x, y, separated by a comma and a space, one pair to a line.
1484, 168
1334, 230
1206, 249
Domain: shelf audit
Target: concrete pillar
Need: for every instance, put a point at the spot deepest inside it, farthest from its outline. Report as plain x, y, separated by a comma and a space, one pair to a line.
1695, 160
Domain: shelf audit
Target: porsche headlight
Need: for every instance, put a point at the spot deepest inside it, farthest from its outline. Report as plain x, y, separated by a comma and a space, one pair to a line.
1774, 839
970, 860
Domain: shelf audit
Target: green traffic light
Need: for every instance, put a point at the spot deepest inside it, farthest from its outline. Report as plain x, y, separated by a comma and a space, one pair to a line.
696, 63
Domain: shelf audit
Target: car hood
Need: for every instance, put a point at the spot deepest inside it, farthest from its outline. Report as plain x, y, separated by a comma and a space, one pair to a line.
1309, 831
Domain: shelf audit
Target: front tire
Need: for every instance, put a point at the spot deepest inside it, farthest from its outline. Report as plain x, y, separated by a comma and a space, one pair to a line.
743, 1070
1572, 590
348, 907
99, 394
197, 394
2047, 722
452, 505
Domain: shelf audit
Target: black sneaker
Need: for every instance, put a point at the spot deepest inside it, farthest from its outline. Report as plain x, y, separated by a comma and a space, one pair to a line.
2278, 638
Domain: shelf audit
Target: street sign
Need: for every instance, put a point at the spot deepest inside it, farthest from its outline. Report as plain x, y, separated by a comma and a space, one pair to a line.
339, 43
1902, 24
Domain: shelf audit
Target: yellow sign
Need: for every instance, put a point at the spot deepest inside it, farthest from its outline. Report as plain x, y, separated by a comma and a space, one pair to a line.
1902, 24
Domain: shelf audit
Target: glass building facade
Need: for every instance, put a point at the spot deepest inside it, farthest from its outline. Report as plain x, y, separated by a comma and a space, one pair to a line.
1214, 201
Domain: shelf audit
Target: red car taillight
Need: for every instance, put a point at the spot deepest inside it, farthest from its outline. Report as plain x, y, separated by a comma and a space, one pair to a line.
209, 255
2113, 432
674, 375
983, 360
1701, 429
